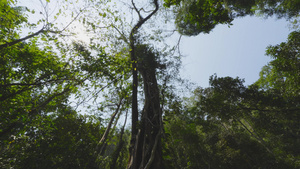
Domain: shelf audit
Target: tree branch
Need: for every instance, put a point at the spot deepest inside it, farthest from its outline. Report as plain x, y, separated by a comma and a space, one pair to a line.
43, 30
137, 11
255, 135
22, 39
33, 84
121, 33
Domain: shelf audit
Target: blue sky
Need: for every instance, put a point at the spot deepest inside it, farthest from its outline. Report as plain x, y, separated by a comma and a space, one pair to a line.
235, 51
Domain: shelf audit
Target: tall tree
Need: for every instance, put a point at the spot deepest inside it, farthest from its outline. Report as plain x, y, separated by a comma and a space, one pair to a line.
145, 141
145, 147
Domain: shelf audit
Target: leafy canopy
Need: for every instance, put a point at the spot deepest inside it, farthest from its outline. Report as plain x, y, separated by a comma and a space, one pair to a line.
201, 16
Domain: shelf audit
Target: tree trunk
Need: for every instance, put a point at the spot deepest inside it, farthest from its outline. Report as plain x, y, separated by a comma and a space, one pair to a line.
145, 146
149, 143
147, 150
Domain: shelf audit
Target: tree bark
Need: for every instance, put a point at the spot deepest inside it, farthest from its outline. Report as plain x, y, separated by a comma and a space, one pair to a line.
149, 143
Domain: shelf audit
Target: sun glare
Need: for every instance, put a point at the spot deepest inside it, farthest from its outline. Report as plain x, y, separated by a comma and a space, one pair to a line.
80, 33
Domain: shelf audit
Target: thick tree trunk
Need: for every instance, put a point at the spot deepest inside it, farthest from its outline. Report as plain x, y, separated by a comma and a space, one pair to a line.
145, 146
149, 144
146, 153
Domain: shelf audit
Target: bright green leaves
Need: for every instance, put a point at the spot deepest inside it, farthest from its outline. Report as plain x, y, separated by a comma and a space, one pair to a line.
37, 77
101, 64
11, 19
29, 77
168, 3
35, 83
283, 72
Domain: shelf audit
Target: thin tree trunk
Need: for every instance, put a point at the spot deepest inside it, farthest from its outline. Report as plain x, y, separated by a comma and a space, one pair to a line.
105, 135
119, 147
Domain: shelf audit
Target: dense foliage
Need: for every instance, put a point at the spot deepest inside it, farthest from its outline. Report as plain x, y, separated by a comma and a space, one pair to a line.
229, 125
47, 78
